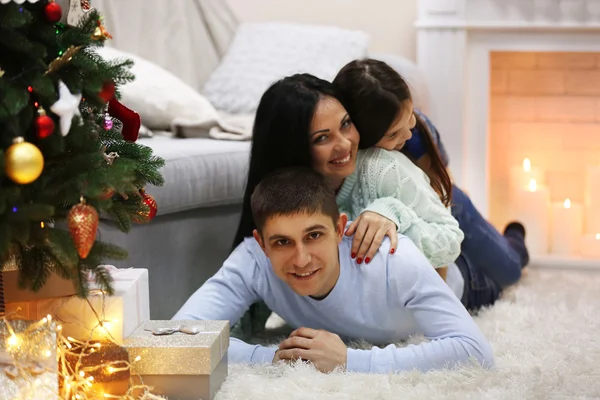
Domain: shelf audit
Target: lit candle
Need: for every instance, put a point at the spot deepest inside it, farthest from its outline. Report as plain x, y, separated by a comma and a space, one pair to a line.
590, 246
592, 200
531, 207
567, 227
522, 175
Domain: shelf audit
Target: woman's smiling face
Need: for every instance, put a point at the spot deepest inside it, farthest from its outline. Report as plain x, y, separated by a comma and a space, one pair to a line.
333, 141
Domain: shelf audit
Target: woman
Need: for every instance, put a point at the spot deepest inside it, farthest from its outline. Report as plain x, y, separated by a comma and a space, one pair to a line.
300, 122
379, 102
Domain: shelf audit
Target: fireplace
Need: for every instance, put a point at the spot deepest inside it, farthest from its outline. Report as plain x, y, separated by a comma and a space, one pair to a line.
515, 90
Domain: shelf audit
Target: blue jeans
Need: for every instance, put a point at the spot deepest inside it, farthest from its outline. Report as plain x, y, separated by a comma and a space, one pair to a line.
489, 260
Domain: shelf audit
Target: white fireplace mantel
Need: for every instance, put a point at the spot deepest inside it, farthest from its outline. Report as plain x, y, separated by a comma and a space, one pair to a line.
454, 41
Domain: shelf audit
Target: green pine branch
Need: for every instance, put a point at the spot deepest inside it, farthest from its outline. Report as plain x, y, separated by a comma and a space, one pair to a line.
33, 216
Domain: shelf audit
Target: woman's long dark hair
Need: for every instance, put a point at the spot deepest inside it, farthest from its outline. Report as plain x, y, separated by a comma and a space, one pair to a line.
280, 137
373, 93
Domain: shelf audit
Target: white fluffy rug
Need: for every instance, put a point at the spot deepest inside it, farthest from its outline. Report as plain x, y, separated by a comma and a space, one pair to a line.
545, 333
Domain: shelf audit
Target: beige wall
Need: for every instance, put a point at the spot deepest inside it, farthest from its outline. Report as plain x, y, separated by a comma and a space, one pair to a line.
388, 22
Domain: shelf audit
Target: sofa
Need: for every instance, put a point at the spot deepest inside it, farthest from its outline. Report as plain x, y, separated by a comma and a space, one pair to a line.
206, 161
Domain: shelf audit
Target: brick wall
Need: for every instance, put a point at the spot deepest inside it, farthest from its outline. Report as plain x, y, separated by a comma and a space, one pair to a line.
544, 106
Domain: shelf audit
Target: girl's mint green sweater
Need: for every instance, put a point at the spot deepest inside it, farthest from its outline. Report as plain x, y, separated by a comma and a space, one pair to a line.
388, 183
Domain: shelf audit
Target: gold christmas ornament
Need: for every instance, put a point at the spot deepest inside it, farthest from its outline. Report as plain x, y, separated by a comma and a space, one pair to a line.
23, 162
63, 59
100, 33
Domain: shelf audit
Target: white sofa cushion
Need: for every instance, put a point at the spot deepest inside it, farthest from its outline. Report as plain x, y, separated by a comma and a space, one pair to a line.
262, 53
199, 172
163, 100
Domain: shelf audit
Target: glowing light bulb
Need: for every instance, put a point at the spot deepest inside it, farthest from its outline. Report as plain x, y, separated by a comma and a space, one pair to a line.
567, 203
81, 374
138, 358
12, 341
527, 165
47, 353
597, 236
532, 185
110, 370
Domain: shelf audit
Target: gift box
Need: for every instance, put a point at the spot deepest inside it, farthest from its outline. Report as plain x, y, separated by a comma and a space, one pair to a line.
55, 287
99, 317
179, 365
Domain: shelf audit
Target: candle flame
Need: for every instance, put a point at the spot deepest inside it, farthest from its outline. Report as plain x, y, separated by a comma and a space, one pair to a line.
597, 236
532, 185
568, 203
526, 165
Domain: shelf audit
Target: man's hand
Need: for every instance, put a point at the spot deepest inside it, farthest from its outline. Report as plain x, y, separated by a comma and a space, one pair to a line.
324, 349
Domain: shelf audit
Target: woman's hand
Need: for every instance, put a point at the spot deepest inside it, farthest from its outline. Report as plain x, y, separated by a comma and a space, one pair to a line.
369, 229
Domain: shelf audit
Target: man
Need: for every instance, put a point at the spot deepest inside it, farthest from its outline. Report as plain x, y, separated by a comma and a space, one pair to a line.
299, 263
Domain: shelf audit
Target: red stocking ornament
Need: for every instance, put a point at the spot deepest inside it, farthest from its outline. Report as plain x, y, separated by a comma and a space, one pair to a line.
130, 119
108, 91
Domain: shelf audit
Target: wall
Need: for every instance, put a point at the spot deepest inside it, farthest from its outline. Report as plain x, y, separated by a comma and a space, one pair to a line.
388, 22
544, 106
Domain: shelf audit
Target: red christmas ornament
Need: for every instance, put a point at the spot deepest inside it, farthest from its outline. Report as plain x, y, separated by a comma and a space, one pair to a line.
130, 119
44, 125
107, 92
83, 224
53, 12
148, 212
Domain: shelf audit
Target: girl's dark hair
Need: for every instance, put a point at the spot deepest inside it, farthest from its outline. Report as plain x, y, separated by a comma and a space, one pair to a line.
373, 93
280, 134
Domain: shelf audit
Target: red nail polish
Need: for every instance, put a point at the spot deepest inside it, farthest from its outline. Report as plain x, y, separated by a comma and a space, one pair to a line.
367, 260
392, 251
353, 255
359, 260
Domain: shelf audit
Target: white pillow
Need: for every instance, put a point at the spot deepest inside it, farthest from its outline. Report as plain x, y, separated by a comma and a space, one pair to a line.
262, 53
163, 100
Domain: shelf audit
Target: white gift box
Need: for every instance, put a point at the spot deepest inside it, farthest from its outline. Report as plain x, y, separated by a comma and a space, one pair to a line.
99, 317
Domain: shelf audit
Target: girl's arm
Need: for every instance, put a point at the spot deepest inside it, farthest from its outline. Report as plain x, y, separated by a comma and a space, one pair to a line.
397, 189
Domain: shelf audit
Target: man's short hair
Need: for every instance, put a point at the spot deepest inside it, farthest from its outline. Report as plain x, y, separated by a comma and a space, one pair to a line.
291, 191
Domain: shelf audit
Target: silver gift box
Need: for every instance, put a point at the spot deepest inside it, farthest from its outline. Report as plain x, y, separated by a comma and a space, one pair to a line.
181, 366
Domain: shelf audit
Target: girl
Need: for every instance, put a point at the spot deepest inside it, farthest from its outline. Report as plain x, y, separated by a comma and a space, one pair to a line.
300, 122
379, 103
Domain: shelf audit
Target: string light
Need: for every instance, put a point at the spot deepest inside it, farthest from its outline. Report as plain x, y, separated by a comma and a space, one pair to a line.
77, 380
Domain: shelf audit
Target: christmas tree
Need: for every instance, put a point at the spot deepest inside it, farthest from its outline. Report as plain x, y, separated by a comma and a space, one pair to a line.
67, 146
